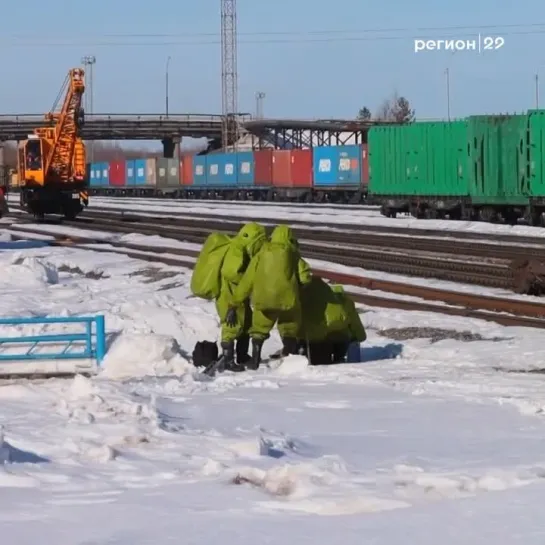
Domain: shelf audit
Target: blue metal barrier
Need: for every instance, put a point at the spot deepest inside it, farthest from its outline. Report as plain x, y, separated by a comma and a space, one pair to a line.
93, 339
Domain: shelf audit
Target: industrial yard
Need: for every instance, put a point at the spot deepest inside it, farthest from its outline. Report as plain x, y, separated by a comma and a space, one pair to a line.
313, 313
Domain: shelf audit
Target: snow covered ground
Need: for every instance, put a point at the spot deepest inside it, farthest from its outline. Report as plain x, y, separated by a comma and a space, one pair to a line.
429, 440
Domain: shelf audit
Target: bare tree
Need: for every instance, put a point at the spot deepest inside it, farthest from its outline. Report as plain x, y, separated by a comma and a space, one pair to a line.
384, 112
396, 109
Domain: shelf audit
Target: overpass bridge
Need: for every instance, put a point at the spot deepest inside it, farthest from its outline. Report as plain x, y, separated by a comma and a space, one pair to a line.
172, 128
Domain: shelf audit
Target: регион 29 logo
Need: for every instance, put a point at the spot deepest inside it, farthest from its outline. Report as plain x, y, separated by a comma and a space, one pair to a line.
479, 44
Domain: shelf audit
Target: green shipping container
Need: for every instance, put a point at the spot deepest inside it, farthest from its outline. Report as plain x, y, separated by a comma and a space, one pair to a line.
427, 159
498, 148
536, 172
167, 173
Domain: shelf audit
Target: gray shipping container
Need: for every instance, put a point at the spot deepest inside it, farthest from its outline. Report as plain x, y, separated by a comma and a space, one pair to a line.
168, 173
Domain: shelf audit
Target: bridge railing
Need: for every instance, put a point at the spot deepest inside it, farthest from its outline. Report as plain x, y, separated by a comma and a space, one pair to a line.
174, 118
78, 351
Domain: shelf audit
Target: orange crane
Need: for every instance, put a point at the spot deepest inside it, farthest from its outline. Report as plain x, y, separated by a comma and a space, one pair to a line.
51, 162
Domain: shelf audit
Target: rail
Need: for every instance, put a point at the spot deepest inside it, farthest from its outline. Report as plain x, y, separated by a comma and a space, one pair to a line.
505, 311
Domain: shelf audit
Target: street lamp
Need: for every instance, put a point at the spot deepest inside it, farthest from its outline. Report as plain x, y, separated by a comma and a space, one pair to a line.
89, 61
166, 86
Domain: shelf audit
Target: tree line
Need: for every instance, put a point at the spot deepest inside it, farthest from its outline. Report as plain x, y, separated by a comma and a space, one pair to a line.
396, 108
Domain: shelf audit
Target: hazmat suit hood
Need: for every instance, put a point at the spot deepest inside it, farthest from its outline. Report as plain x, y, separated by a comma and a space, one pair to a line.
284, 236
252, 236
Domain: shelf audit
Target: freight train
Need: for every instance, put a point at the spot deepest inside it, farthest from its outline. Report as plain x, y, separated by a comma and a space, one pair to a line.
328, 173
486, 168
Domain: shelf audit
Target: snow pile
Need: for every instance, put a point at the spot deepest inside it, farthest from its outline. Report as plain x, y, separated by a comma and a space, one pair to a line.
321, 487
292, 365
140, 355
31, 271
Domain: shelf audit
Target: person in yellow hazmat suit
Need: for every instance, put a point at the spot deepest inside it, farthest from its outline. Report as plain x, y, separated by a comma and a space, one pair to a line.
219, 269
330, 324
273, 282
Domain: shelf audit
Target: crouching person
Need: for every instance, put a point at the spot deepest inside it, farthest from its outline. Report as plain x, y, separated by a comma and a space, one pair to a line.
354, 332
272, 282
330, 323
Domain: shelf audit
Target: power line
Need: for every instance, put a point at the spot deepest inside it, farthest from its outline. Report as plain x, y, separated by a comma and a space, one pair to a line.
257, 42
311, 32
303, 37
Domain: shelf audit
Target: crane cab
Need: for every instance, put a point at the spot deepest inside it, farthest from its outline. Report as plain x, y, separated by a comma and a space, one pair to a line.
30, 162
41, 193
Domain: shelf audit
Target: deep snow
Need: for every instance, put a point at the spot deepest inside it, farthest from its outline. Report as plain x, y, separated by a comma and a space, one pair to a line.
425, 441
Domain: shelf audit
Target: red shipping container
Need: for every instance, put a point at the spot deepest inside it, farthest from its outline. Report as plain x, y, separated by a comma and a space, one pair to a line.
292, 168
281, 168
301, 167
364, 165
186, 170
118, 173
263, 167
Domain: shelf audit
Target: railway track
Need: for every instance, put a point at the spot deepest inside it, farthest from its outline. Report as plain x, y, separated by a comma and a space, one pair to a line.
421, 239
343, 227
249, 203
454, 270
437, 242
505, 311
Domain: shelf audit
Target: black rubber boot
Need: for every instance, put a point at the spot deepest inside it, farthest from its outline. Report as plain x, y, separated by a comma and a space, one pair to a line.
228, 355
243, 345
257, 345
290, 346
339, 351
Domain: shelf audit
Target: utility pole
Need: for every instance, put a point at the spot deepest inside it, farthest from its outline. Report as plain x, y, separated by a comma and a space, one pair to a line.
229, 76
259, 97
447, 73
89, 61
537, 91
166, 86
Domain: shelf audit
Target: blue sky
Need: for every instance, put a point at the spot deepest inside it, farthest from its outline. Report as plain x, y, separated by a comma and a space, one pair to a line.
301, 77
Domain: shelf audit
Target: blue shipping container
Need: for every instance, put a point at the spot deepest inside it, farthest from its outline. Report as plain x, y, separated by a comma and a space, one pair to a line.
130, 178
95, 174
337, 165
104, 173
199, 170
245, 169
221, 169
140, 172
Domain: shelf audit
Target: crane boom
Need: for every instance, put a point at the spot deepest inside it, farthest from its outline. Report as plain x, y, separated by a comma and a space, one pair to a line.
64, 161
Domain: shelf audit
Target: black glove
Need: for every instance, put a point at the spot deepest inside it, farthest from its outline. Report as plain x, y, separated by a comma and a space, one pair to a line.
231, 317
